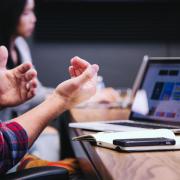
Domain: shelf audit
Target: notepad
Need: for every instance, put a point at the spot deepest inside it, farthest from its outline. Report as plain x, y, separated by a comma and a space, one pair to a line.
105, 139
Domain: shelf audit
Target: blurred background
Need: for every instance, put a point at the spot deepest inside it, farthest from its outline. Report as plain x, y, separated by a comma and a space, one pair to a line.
115, 34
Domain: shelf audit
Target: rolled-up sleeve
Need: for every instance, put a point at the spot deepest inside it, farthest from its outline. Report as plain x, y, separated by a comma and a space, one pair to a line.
13, 145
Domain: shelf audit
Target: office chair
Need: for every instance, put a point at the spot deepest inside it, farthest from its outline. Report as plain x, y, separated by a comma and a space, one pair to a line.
36, 173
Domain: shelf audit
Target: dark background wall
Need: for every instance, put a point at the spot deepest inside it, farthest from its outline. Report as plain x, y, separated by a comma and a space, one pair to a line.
116, 35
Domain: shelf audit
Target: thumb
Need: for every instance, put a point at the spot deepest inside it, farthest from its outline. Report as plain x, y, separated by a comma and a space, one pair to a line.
88, 74
3, 57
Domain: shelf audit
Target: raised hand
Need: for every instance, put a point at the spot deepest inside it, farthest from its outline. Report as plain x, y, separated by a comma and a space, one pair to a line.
79, 88
16, 85
82, 84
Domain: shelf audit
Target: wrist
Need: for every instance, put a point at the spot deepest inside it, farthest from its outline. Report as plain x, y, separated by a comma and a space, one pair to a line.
58, 101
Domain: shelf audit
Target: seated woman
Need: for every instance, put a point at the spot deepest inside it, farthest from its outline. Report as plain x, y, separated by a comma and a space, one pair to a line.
17, 135
18, 20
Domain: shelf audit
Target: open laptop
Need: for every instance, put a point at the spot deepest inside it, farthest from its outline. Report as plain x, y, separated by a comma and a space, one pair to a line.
159, 78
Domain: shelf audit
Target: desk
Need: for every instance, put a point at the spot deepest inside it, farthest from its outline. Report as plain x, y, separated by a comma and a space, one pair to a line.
106, 164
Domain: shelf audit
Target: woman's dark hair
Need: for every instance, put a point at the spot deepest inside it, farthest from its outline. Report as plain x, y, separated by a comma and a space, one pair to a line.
10, 12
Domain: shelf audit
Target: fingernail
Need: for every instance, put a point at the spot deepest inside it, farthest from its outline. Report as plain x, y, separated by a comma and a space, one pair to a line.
3, 47
4, 52
76, 57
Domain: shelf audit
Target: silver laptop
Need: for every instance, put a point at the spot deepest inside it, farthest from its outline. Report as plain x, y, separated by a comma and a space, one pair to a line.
159, 78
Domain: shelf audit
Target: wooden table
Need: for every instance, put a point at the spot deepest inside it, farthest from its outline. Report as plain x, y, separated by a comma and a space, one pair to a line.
102, 163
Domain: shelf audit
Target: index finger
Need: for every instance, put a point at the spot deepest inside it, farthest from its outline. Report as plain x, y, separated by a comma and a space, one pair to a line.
23, 68
79, 63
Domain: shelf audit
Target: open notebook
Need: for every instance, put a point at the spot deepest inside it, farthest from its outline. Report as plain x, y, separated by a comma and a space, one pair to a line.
105, 139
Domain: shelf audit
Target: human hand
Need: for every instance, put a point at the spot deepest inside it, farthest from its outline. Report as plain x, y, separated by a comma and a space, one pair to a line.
17, 85
82, 84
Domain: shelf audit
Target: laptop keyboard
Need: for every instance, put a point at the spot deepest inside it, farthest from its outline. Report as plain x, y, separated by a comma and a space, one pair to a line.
143, 125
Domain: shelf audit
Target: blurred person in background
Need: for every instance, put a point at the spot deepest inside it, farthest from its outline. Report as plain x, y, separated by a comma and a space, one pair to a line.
18, 21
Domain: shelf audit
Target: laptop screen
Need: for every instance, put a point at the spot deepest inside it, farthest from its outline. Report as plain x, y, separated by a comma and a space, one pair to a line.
161, 83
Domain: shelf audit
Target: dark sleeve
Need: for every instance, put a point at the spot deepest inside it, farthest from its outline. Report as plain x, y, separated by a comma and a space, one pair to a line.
13, 145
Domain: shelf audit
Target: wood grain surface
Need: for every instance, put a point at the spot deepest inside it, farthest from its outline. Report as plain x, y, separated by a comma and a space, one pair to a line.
110, 164
98, 114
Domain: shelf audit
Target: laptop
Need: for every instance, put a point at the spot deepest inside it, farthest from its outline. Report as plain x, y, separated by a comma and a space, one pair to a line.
159, 79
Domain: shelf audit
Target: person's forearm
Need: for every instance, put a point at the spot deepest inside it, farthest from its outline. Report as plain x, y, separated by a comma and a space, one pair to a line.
35, 120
